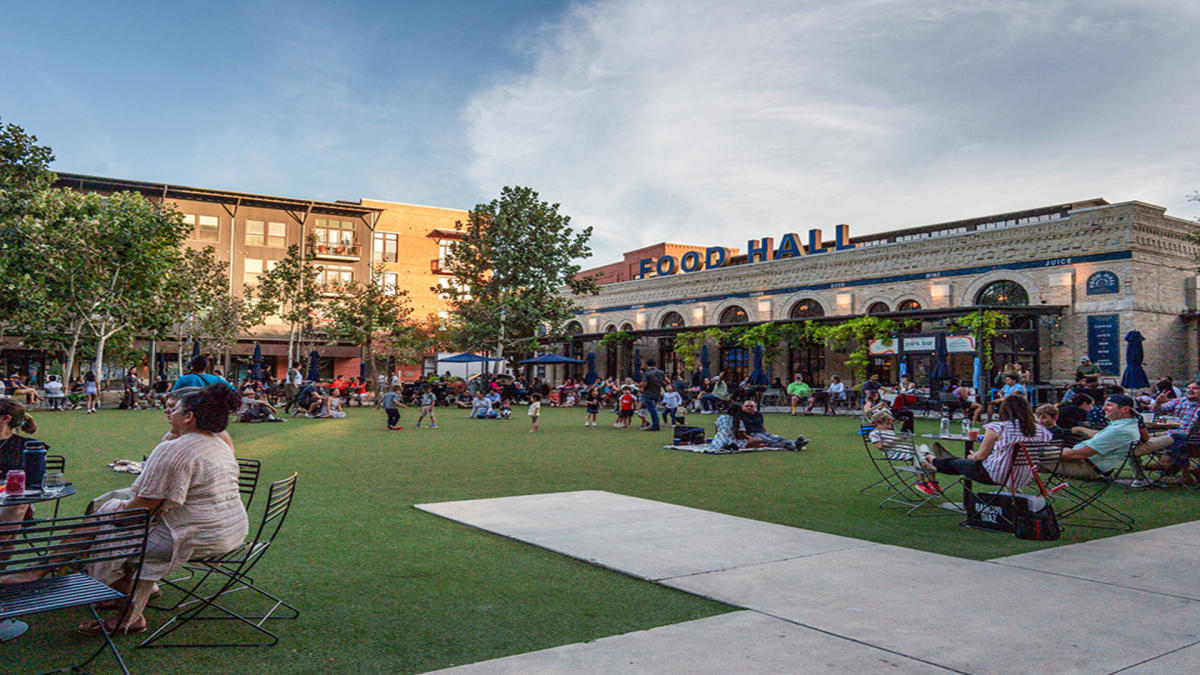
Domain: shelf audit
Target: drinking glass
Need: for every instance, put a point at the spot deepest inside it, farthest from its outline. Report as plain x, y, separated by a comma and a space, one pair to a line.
53, 482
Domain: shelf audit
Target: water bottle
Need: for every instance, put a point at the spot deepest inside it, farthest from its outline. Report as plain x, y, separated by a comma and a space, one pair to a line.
35, 464
944, 429
966, 426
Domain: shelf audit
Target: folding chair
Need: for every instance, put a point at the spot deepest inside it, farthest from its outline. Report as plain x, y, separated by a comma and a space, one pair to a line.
1187, 475
1082, 494
899, 474
996, 510
233, 572
71, 542
56, 463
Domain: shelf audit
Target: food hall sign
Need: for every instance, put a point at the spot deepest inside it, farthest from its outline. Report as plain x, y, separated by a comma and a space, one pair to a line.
1103, 283
757, 250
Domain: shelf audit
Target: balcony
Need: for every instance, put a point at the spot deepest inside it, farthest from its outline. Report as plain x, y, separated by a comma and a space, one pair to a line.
331, 290
348, 251
438, 266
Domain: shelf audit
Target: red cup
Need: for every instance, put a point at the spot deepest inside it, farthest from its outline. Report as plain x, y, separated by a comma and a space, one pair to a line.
973, 435
14, 482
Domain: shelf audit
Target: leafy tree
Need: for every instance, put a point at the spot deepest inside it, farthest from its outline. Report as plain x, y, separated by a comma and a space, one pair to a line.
197, 303
510, 268
25, 182
367, 315
290, 291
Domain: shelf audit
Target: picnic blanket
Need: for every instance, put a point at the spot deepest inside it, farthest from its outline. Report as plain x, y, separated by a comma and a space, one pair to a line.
707, 449
126, 466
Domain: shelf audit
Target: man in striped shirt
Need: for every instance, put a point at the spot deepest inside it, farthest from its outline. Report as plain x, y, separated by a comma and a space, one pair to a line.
1187, 409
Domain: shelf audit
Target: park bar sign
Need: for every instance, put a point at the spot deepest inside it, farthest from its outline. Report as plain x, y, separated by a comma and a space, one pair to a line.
757, 250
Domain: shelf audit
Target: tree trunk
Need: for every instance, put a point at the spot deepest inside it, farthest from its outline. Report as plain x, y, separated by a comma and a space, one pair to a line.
70, 361
500, 344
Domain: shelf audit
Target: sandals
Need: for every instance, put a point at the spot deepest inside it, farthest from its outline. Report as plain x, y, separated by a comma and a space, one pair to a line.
93, 627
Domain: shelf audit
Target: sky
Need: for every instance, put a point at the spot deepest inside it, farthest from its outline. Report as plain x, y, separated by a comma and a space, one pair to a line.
690, 121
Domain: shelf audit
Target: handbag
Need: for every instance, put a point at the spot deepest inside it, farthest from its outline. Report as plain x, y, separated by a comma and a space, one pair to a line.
689, 435
1041, 524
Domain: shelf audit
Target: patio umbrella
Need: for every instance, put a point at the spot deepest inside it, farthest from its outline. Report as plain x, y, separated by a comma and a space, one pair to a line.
757, 376
704, 372
256, 369
1134, 376
468, 357
314, 366
195, 348
162, 365
550, 358
591, 376
637, 365
941, 363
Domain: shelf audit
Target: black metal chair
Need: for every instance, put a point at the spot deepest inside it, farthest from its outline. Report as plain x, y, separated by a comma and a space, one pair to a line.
53, 544
1084, 494
1161, 473
899, 474
248, 472
232, 571
995, 510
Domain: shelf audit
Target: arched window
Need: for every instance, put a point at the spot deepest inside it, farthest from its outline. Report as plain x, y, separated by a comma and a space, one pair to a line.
574, 328
1004, 292
734, 314
627, 327
610, 328
806, 308
878, 308
672, 320
908, 306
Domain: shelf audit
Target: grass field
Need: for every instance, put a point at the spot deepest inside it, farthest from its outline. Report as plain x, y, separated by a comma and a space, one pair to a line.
384, 587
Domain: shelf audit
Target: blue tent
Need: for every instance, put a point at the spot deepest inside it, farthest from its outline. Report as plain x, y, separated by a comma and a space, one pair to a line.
1134, 376
468, 357
591, 376
758, 377
704, 372
256, 369
314, 366
637, 365
550, 358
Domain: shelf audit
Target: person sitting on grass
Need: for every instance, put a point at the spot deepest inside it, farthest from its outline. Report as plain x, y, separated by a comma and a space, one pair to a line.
993, 461
882, 421
731, 433
752, 420
482, 408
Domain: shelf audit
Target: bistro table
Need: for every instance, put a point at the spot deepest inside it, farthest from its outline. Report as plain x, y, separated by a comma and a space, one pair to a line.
13, 628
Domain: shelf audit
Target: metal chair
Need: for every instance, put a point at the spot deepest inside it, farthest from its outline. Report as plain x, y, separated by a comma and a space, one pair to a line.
1002, 518
248, 472
52, 544
1160, 474
899, 474
233, 570
1083, 493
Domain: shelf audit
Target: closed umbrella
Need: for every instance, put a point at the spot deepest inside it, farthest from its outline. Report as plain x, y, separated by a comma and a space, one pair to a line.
941, 360
162, 365
758, 377
256, 368
704, 372
637, 365
314, 366
195, 348
1134, 376
591, 376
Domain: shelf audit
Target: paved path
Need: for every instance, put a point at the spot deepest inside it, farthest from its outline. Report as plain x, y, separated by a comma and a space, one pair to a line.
821, 602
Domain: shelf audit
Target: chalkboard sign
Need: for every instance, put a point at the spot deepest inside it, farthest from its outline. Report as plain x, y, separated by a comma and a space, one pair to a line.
1104, 342
1103, 283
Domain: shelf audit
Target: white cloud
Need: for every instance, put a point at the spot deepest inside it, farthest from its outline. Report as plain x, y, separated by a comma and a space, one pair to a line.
707, 122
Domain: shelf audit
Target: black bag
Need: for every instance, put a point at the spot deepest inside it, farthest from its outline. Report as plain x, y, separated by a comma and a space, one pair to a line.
991, 510
1040, 525
689, 436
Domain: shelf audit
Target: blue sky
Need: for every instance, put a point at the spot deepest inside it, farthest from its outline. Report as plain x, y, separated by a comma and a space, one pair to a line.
694, 121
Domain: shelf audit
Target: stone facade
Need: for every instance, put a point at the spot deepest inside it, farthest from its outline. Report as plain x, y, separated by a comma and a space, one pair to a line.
1051, 254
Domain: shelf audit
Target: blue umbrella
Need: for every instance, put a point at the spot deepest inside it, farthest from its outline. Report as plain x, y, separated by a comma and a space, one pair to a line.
550, 358
1134, 376
256, 369
758, 376
704, 372
637, 365
468, 357
591, 376
941, 360
977, 380
314, 366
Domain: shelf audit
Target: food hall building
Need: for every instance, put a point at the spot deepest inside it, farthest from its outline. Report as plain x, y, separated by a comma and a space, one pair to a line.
1074, 279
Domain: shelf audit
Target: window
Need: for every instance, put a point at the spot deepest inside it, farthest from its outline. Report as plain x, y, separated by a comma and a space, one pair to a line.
385, 247
734, 314
672, 320
260, 233
334, 278
574, 328
253, 268
204, 228
335, 236
735, 364
1004, 292
806, 308
878, 308
388, 281
908, 306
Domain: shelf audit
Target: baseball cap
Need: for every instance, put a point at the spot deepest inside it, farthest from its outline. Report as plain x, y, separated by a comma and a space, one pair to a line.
1121, 399
1084, 359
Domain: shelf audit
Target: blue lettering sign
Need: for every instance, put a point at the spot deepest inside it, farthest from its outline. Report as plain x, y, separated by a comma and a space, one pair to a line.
789, 247
644, 267
690, 261
842, 239
1103, 283
761, 251
709, 253
669, 267
815, 242
1104, 342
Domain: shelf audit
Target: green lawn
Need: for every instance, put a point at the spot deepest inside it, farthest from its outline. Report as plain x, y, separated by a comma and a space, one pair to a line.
384, 587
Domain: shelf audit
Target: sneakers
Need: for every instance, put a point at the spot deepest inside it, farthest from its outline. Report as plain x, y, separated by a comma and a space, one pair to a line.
432, 426
396, 428
799, 443
934, 484
924, 488
1140, 484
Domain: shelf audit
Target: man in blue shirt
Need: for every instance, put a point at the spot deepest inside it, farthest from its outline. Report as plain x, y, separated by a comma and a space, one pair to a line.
1011, 386
1106, 449
198, 376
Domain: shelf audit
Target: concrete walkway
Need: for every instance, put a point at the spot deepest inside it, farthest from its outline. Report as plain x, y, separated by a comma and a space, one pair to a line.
820, 602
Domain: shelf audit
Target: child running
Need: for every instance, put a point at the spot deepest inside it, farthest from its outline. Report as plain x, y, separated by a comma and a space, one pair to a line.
593, 408
428, 399
391, 405
535, 407
625, 408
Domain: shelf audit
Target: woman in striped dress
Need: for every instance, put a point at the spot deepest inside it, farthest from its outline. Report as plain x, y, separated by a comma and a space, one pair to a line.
993, 461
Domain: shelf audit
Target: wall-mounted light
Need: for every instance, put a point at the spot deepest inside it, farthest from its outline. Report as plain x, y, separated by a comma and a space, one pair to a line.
698, 316
845, 303
764, 309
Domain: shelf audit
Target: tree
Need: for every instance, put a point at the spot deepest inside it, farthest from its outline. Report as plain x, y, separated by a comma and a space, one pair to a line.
290, 291
509, 270
367, 315
25, 181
